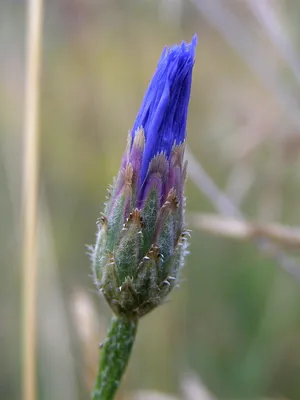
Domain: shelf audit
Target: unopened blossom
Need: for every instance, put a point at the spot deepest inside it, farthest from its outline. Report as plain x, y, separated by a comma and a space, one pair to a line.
141, 241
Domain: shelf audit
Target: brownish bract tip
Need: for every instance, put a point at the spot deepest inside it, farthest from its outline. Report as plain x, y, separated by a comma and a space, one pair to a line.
171, 202
177, 155
135, 217
154, 253
128, 175
139, 139
159, 164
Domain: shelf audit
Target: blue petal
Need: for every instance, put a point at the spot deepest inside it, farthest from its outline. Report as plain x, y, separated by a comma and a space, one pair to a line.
163, 112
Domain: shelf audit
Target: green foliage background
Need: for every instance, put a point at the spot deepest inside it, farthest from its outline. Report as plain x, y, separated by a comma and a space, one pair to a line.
235, 321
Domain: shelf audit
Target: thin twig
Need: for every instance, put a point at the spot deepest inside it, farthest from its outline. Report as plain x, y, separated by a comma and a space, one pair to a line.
226, 208
239, 183
245, 230
207, 186
265, 13
238, 35
30, 194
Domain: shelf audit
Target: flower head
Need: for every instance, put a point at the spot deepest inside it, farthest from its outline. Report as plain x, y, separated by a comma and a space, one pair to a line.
141, 240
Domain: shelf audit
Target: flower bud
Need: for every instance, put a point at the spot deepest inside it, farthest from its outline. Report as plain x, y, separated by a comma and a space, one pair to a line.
141, 240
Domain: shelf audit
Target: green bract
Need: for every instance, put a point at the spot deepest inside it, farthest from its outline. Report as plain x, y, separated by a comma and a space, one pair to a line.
141, 240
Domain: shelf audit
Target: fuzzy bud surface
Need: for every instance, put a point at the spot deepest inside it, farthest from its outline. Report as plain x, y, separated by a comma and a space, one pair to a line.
141, 239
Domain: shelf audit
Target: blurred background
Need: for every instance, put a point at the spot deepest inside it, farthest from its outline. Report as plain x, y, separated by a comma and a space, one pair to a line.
232, 330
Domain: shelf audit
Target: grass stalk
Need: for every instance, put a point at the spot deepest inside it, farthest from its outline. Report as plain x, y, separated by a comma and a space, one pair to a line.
30, 198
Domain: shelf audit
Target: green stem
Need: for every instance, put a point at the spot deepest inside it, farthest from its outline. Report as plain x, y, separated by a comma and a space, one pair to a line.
113, 357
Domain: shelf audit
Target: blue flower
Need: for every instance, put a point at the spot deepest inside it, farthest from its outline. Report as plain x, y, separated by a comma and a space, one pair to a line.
141, 242
163, 112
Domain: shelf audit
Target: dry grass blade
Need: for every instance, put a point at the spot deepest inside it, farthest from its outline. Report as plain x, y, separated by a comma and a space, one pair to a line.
55, 346
194, 389
29, 211
149, 395
265, 12
245, 230
226, 208
237, 33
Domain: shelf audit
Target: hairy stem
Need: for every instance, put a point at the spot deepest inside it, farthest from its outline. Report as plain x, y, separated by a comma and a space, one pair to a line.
113, 357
